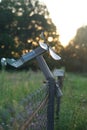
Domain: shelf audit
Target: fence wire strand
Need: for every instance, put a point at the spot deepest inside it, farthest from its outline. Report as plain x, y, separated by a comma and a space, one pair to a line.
34, 114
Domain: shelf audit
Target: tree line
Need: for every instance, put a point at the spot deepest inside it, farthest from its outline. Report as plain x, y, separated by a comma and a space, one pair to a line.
21, 23
75, 54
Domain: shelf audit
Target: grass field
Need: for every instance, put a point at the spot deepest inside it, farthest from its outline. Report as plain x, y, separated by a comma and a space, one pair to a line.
14, 86
73, 113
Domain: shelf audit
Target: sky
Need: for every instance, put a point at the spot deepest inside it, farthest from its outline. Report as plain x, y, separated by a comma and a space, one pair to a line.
68, 16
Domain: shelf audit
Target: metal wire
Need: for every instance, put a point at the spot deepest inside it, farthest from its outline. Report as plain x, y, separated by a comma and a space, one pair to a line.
34, 114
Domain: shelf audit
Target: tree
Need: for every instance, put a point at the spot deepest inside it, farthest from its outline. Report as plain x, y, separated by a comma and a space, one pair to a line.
7, 46
76, 51
23, 21
29, 19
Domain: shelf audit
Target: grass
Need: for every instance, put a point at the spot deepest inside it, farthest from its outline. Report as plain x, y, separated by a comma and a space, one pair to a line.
14, 86
73, 113
17, 85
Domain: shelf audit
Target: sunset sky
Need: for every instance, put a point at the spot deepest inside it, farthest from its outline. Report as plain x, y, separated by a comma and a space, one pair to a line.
68, 16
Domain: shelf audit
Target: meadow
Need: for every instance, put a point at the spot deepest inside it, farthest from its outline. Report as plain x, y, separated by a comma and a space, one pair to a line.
14, 86
73, 112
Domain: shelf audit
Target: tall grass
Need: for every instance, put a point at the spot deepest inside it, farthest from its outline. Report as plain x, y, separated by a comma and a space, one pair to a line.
16, 85
73, 113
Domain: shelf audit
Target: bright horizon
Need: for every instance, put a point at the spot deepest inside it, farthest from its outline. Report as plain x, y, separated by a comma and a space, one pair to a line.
68, 16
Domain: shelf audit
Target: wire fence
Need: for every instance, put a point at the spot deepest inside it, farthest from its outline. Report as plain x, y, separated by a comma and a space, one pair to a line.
35, 111
33, 115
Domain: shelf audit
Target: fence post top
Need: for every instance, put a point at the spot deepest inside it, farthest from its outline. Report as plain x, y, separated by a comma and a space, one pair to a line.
58, 72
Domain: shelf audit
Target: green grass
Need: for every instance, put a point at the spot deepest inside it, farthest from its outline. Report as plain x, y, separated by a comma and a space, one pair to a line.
14, 86
73, 113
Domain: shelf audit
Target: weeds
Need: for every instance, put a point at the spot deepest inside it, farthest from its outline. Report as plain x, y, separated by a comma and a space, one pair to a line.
73, 113
15, 86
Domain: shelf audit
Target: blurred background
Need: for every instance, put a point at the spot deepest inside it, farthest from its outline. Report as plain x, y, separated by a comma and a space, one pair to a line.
63, 23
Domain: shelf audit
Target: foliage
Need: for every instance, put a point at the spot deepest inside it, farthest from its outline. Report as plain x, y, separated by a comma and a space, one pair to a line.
73, 110
15, 88
22, 22
75, 53
6, 43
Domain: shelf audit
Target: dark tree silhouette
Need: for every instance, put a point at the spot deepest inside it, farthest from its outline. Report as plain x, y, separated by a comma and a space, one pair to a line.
76, 52
24, 20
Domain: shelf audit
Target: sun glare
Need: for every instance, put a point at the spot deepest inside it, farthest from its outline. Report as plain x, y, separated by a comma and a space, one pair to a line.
68, 16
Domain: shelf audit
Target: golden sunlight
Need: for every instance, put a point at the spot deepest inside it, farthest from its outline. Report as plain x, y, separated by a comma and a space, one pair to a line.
68, 16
